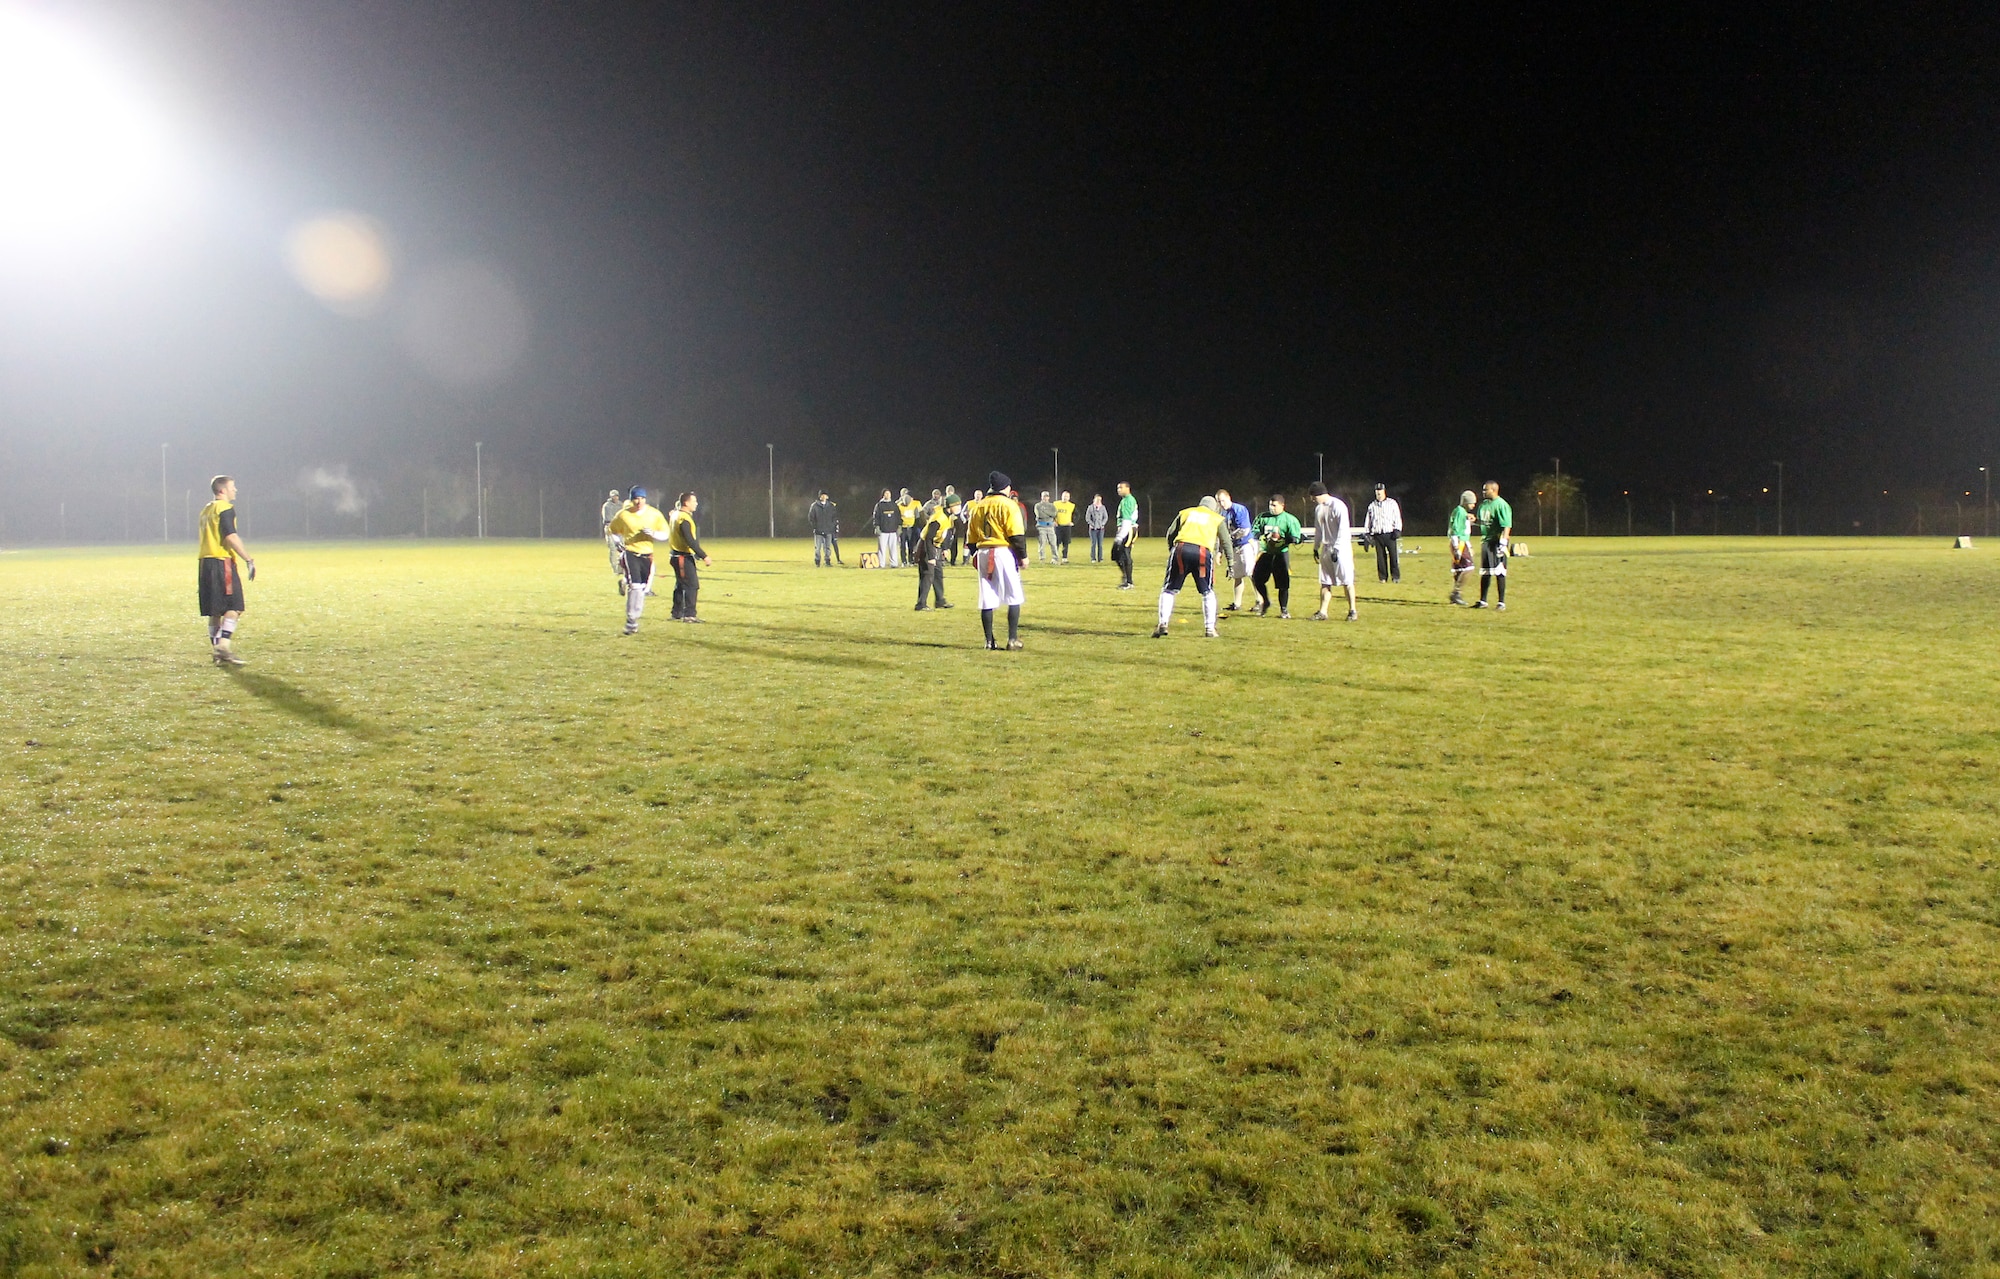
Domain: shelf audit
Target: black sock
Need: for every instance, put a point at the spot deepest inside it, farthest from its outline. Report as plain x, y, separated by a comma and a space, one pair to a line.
1013, 622
1500, 585
986, 620
1482, 588
1284, 600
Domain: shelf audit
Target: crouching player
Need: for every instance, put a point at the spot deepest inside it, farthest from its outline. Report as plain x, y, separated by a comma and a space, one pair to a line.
1196, 543
999, 538
635, 532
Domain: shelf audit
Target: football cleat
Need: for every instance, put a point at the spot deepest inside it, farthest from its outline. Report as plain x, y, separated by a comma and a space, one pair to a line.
1319, 617
1352, 615
1014, 646
1159, 632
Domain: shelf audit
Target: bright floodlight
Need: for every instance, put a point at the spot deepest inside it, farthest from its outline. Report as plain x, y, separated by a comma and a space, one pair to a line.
80, 148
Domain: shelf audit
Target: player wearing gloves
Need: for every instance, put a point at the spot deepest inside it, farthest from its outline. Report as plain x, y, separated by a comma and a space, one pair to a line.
1496, 526
1128, 533
1275, 533
999, 538
1242, 559
635, 532
1336, 549
1196, 542
217, 580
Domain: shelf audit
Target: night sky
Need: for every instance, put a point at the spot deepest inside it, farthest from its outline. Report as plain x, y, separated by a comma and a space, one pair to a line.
899, 241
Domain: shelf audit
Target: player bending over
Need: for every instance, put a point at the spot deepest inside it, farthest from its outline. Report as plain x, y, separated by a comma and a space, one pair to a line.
1196, 542
217, 580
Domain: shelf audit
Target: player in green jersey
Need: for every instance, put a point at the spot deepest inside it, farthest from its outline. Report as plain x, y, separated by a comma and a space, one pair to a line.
1496, 527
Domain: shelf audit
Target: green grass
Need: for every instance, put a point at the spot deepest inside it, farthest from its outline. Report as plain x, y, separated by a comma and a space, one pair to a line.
1649, 928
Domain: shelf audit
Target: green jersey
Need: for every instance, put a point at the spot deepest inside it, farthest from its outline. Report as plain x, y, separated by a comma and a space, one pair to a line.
1459, 526
1495, 515
1128, 509
1279, 532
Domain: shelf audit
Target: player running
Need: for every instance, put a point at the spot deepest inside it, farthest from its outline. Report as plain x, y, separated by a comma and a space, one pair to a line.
1333, 530
1276, 532
218, 583
1496, 526
1242, 559
1459, 530
1128, 533
999, 538
1196, 543
635, 532
683, 549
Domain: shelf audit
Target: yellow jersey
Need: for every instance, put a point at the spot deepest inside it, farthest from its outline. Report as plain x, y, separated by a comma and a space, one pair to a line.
218, 520
1198, 526
640, 528
995, 519
681, 533
909, 511
939, 526
1065, 514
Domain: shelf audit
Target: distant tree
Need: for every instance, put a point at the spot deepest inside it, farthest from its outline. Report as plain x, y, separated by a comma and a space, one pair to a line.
1551, 493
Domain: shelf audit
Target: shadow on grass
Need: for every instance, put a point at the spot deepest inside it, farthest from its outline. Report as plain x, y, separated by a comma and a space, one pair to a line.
816, 658
295, 701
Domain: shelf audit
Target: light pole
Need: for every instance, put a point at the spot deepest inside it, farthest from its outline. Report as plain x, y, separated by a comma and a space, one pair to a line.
1559, 495
1319, 465
1781, 497
1628, 512
1058, 453
479, 488
1986, 503
165, 536
771, 484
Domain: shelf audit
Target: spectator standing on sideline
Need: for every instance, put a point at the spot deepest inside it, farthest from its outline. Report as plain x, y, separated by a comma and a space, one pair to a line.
959, 534
611, 508
1335, 534
1496, 527
931, 535
824, 517
1385, 533
1459, 530
1128, 533
1242, 546
1045, 529
1095, 517
1065, 519
888, 531
683, 549
1277, 532
906, 510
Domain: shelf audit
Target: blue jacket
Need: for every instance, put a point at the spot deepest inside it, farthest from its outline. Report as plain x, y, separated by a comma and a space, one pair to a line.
1236, 518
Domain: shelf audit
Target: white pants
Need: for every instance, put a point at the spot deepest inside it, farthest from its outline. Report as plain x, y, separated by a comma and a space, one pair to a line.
889, 547
1336, 567
999, 577
1243, 560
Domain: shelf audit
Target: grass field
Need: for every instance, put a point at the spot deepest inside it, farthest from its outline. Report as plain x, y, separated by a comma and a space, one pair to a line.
1650, 928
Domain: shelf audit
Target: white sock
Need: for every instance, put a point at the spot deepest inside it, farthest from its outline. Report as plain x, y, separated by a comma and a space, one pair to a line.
635, 603
1166, 607
1209, 604
227, 633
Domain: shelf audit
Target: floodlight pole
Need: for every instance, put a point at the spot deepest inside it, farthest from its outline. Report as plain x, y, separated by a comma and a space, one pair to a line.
1058, 453
1628, 512
1319, 467
165, 535
1559, 495
771, 485
1986, 505
1781, 497
479, 487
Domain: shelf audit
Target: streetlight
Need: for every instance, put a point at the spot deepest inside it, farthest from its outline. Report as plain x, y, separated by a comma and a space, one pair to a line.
771, 484
1628, 512
1559, 495
165, 536
1986, 504
1781, 497
479, 487
1058, 453
1319, 461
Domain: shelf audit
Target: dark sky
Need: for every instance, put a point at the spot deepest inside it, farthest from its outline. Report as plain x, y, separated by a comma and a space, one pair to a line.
1168, 240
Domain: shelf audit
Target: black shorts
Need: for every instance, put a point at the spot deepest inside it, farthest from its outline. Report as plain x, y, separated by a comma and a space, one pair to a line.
221, 586
638, 568
1189, 560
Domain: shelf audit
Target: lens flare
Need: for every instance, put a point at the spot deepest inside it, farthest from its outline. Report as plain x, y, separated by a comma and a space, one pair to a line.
465, 324
342, 259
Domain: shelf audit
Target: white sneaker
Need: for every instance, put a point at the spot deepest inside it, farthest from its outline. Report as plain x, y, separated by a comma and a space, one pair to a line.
1352, 615
1318, 617
1210, 632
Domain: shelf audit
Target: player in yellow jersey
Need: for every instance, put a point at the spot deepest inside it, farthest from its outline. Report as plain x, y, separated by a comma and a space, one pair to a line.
999, 538
1065, 517
636, 532
684, 548
217, 579
1196, 542
931, 538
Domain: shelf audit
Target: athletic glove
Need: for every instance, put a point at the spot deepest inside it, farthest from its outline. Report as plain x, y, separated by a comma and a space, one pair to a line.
250, 568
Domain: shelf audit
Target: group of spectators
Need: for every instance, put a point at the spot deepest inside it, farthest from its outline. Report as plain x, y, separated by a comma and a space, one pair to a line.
899, 521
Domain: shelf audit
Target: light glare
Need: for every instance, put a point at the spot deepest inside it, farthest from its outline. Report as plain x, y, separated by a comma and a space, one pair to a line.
342, 259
